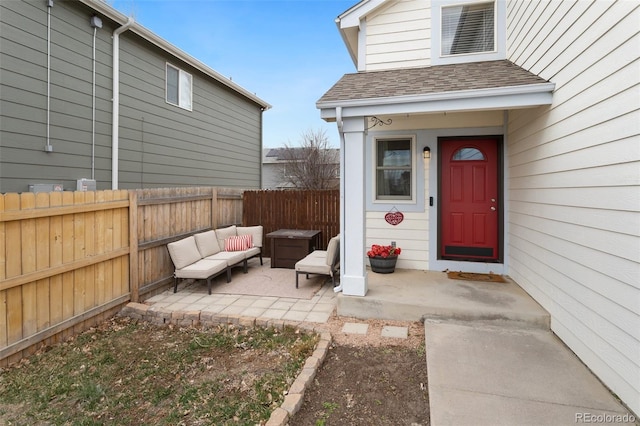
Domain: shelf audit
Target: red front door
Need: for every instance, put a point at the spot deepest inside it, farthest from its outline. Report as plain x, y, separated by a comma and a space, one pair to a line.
469, 199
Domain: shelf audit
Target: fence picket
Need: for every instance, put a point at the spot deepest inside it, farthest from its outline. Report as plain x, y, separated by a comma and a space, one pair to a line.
13, 268
43, 261
3, 294
55, 259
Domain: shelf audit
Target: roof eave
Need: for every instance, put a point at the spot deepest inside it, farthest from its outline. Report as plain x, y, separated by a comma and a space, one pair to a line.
352, 16
510, 97
349, 21
345, 39
111, 13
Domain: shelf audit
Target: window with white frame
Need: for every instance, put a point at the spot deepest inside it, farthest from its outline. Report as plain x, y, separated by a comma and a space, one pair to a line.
394, 174
179, 87
468, 28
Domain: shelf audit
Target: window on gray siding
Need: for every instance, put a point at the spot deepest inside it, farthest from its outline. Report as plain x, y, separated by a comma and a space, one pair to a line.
179, 87
394, 169
468, 29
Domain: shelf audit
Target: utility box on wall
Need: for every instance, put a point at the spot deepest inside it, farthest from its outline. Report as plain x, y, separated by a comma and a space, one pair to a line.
46, 187
86, 185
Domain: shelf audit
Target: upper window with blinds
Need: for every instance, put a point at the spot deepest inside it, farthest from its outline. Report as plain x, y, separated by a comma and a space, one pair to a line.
468, 28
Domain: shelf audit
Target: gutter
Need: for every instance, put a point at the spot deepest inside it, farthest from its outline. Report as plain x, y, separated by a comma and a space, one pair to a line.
513, 97
106, 10
115, 115
442, 96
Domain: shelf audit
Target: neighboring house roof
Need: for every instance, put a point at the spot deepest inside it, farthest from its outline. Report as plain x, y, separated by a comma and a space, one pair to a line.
275, 155
429, 80
274, 161
103, 8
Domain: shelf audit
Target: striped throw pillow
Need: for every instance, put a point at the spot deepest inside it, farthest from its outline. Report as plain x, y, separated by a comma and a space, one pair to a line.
238, 243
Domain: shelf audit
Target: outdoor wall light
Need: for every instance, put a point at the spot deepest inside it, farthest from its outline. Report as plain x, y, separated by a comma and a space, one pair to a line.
426, 152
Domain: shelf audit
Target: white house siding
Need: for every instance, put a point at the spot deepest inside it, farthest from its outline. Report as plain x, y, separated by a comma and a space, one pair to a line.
399, 36
411, 235
574, 180
272, 175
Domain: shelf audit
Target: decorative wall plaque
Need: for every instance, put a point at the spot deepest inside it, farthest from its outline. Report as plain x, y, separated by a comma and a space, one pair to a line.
394, 217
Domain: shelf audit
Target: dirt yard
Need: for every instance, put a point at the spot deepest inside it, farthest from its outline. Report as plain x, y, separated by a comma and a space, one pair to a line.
124, 373
369, 380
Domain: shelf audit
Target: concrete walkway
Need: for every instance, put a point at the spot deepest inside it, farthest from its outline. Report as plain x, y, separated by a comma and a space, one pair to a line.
486, 375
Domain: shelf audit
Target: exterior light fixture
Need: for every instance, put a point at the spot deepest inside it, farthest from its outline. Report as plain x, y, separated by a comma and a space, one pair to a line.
426, 152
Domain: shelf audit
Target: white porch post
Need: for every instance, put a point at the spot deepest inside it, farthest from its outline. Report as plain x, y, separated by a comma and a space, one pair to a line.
353, 271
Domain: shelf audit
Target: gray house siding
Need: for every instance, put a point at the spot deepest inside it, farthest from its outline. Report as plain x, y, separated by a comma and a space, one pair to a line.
23, 89
218, 143
165, 145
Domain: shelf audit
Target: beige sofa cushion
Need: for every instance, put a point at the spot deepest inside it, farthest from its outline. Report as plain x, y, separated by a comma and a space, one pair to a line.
319, 261
231, 257
254, 231
332, 249
202, 270
318, 253
184, 252
313, 265
253, 251
224, 233
207, 243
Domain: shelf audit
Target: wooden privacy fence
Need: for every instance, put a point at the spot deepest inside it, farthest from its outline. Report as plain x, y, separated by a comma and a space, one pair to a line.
64, 265
69, 260
293, 210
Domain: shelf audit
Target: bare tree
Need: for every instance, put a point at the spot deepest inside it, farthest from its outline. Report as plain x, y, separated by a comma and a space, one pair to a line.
312, 164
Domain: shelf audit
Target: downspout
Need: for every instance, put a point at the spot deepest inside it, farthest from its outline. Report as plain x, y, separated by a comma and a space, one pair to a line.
115, 119
47, 146
96, 23
340, 123
93, 106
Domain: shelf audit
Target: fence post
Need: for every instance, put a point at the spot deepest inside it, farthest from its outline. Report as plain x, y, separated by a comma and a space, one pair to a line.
214, 208
133, 246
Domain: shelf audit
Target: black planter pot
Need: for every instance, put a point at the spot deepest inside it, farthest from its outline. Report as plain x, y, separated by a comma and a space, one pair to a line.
383, 265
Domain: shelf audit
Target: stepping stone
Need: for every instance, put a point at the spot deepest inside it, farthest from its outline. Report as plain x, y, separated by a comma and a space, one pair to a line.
396, 332
355, 328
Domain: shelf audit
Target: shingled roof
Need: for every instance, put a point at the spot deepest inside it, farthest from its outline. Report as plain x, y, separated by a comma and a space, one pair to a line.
429, 80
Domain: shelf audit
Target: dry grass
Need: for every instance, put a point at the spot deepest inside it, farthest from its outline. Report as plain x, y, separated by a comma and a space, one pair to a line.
125, 372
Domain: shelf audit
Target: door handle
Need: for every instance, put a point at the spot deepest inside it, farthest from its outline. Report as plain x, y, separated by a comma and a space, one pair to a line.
493, 208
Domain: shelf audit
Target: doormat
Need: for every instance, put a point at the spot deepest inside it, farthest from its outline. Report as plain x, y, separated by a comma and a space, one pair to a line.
472, 276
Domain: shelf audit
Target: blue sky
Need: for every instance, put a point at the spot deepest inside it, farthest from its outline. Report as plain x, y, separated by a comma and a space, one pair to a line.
287, 52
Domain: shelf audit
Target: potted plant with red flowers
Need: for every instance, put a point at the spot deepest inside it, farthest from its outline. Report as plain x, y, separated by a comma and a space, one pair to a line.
383, 258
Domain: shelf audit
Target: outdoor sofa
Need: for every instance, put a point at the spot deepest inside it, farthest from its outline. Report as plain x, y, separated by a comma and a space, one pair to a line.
208, 254
321, 262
